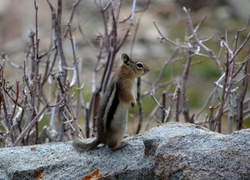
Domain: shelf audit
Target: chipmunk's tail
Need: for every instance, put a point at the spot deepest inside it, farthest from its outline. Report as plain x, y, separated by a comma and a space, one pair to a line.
81, 146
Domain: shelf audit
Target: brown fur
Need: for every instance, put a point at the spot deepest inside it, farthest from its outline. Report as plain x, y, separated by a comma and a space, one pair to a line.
112, 113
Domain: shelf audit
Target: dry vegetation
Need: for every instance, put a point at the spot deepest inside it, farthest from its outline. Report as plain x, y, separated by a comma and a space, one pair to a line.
52, 86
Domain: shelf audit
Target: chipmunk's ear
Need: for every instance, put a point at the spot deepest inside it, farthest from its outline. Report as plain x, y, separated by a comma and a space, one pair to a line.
125, 58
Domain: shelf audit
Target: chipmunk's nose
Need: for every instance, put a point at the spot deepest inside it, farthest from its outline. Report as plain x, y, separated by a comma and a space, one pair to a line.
146, 70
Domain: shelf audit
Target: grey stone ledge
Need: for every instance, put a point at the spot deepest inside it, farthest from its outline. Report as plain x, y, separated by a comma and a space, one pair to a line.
172, 151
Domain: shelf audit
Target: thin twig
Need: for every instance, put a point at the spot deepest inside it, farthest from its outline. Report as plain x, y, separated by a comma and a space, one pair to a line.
71, 18
168, 40
199, 42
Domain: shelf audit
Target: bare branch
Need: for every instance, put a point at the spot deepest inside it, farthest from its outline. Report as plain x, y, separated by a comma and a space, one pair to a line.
168, 40
199, 42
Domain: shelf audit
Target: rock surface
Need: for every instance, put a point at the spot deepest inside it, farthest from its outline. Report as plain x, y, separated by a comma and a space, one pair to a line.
173, 151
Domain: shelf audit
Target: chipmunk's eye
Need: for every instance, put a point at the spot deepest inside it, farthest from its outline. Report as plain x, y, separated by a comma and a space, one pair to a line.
139, 65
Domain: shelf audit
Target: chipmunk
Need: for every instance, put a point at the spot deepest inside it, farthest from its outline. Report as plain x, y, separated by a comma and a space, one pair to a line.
113, 109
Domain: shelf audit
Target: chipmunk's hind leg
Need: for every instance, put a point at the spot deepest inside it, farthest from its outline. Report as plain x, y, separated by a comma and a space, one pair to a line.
114, 140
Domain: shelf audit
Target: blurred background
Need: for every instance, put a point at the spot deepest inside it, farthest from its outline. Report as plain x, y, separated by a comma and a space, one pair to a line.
17, 19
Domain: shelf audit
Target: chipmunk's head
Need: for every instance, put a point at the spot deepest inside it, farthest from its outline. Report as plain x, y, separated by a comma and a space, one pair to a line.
136, 68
